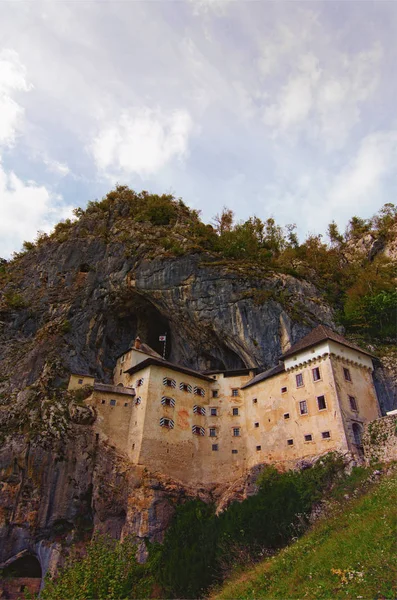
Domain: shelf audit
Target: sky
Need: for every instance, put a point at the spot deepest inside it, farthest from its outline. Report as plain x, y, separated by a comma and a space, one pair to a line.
282, 109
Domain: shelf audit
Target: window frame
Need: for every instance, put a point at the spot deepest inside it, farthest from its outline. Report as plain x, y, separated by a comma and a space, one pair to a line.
290, 442
325, 437
215, 393
353, 403
325, 402
308, 437
316, 371
236, 431
235, 392
112, 402
235, 412
303, 403
300, 376
213, 411
346, 371
212, 432
286, 416
284, 389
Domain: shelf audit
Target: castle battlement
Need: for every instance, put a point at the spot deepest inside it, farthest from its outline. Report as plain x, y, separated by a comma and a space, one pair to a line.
210, 427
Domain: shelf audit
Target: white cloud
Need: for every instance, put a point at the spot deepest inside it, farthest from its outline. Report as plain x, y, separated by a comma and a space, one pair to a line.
12, 79
56, 167
142, 141
26, 208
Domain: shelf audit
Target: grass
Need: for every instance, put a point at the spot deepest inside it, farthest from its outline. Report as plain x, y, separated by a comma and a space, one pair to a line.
351, 554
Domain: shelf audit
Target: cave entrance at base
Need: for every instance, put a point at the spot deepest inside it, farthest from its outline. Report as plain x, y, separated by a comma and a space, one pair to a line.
21, 576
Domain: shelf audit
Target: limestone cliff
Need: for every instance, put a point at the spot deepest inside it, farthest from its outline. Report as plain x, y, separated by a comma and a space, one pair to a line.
73, 303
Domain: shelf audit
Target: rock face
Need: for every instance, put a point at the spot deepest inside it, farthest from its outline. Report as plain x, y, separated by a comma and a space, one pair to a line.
74, 306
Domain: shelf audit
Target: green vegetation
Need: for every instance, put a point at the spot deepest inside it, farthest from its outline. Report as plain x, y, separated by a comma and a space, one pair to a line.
358, 282
351, 554
108, 569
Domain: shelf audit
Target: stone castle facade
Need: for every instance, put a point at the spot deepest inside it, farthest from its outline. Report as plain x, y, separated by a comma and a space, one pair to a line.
211, 427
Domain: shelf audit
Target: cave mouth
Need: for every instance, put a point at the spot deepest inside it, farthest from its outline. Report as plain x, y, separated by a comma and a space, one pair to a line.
25, 566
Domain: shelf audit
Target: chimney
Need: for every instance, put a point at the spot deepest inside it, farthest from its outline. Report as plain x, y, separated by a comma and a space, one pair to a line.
137, 343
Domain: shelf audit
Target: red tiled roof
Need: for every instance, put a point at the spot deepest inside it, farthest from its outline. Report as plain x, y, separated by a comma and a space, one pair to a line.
320, 334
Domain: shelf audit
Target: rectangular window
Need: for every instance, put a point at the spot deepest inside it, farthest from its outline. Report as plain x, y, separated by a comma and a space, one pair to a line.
197, 430
198, 410
235, 412
299, 380
325, 435
235, 392
167, 401
213, 412
286, 415
283, 390
139, 382
212, 432
121, 371
169, 382
80, 381
125, 403
316, 374
185, 387
234, 451
215, 393
236, 431
168, 423
258, 448
256, 424
103, 401
308, 437
353, 403
290, 442
303, 407
346, 373
321, 402
113, 403
254, 400
215, 447
199, 391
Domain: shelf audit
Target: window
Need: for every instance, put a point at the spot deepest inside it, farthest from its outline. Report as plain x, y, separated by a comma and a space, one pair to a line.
167, 423
234, 451
113, 403
256, 424
308, 437
303, 407
283, 390
213, 412
299, 380
235, 392
80, 381
121, 371
103, 401
236, 431
357, 434
215, 393
321, 403
212, 432
346, 373
290, 442
198, 410
197, 430
254, 400
258, 448
235, 412
169, 382
199, 391
185, 387
325, 435
139, 382
316, 374
166, 401
138, 400
122, 359
353, 403
125, 403
286, 415
215, 447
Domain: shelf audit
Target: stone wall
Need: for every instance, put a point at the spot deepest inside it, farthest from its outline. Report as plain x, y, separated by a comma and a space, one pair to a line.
380, 439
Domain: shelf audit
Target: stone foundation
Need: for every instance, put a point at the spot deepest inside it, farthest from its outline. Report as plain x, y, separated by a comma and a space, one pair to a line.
380, 439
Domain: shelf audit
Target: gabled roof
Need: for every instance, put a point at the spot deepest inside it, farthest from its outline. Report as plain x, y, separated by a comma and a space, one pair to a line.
144, 349
265, 375
321, 334
159, 362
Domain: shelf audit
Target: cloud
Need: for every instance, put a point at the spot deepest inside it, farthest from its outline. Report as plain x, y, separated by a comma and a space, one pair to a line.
12, 79
142, 141
26, 208
56, 167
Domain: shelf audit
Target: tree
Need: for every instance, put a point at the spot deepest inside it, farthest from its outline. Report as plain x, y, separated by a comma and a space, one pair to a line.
224, 221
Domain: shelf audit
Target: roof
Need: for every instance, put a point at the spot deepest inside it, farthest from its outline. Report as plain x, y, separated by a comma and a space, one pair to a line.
144, 348
114, 389
159, 362
232, 373
320, 334
265, 375
82, 375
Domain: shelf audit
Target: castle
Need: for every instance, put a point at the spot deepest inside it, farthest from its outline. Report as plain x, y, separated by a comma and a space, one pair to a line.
212, 426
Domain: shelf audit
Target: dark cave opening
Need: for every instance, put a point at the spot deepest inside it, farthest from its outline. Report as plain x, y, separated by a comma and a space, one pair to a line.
25, 566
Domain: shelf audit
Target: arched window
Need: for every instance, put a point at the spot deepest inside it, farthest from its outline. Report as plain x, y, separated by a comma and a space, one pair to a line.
357, 434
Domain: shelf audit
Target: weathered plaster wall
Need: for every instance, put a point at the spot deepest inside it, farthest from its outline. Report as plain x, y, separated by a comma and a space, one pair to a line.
380, 439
